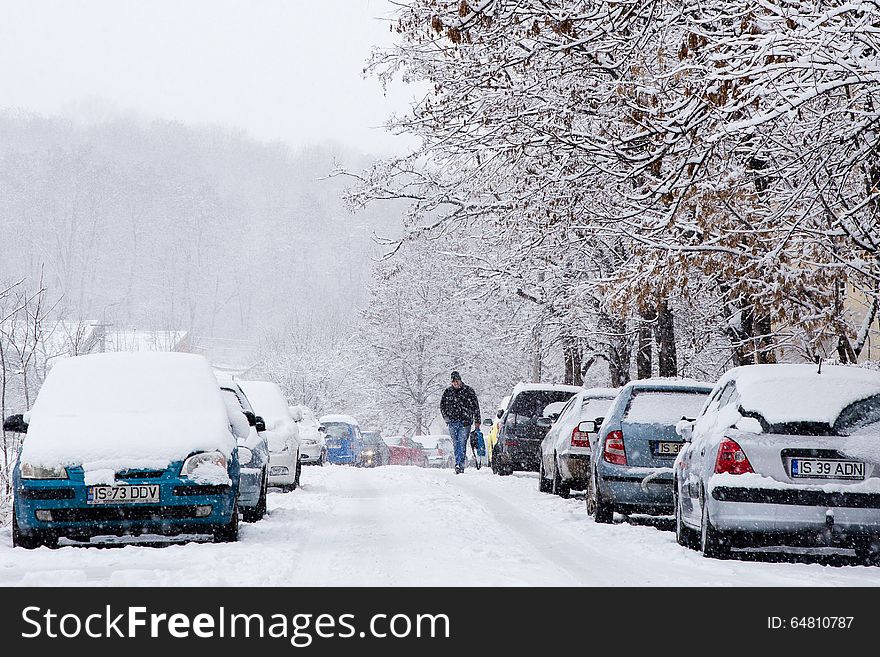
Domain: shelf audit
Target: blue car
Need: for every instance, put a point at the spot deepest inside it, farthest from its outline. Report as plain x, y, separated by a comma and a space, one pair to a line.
344, 440
122, 444
635, 448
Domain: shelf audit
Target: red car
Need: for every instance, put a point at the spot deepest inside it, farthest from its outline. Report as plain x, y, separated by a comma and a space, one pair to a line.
405, 451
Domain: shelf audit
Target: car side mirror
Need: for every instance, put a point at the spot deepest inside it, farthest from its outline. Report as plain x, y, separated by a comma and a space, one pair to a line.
259, 423
544, 422
322, 429
296, 413
587, 426
487, 420
251, 418
685, 429
499, 414
15, 423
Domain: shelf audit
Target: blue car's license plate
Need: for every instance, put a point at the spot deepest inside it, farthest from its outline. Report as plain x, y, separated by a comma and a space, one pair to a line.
123, 494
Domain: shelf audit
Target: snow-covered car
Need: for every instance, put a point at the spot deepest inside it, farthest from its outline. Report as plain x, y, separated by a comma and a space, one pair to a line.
127, 443
633, 451
312, 445
518, 446
565, 450
783, 455
491, 436
342, 434
253, 453
375, 452
405, 451
438, 449
282, 432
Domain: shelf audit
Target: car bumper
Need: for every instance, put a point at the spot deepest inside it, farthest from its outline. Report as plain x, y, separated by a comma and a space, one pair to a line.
795, 513
309, 453
637, 490
341, 459
183, 507
282, 468
524, 456
575, 467
250, 487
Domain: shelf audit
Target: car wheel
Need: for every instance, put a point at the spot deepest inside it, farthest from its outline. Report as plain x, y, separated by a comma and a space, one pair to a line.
229, 532
299, 469
597, 506
868, 552
684, 535
712, 542
30, 541
259, 511
543, 484
561, 488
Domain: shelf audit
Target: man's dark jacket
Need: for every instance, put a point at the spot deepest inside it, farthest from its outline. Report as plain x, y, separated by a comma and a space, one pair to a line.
460, 405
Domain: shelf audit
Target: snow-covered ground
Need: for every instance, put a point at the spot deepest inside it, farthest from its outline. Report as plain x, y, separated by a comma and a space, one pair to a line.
412, 526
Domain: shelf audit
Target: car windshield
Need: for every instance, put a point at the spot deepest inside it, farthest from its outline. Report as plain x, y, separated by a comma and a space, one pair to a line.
372, 438
337, 430
663, 406
530, 404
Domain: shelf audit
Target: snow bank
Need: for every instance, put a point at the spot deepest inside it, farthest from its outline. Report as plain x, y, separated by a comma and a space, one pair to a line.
110, 412
798, 393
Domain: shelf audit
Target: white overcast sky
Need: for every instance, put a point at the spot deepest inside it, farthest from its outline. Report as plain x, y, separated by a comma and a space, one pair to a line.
280, 69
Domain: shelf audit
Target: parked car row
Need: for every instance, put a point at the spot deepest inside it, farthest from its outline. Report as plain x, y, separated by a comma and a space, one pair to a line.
770, 455
150, 443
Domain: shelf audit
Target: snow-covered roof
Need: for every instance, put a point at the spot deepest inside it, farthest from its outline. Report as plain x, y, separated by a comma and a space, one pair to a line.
668, 383
126, 410
344, 419
601, 393
531, 387
798, 393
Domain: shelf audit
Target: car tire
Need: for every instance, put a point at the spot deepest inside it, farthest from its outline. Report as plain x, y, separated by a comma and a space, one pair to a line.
867, 553
684, 535
543, 484
228, 533
712, 543
28, 540
560, 488
597, 507
299, 469
259, 511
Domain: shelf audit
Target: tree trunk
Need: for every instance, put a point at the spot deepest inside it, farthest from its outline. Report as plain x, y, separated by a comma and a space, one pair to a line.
536, 354
644, 353
573, 356
619, 352
764, 352
667, 358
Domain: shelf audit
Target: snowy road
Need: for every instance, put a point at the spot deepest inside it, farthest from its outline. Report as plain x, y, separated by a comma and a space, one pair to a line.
409, 526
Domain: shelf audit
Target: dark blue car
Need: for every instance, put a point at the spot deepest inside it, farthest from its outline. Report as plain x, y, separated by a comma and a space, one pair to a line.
126, 444
343, 437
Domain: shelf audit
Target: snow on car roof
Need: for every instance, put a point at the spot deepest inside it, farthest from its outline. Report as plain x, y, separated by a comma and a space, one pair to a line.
601, 393
127, 410
669, 383
531, 387
267, 399
343, 419
798, 393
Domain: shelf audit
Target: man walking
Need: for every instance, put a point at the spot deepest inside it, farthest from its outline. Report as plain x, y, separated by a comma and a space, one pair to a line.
460, 409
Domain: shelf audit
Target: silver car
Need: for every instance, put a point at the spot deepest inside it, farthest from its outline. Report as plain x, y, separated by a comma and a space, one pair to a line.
782, 455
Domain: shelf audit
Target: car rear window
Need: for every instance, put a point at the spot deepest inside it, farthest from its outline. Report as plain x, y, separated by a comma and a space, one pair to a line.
529, 405
338, 430
859, 417
594, 408
663, 407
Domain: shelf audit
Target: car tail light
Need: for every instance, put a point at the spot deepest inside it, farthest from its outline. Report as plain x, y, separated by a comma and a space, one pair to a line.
580, 438
732, 459
614, 448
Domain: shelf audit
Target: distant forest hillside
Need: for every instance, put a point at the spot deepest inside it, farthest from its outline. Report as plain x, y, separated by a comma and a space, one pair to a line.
153, 224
